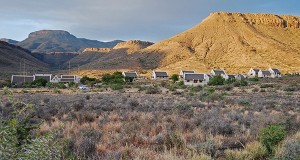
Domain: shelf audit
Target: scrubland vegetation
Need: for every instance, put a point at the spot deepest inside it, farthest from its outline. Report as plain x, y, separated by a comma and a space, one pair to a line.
257, 119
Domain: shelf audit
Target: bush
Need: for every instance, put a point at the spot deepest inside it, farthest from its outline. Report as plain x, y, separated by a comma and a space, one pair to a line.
39, 82
175, 77
240, 83
116, 86
256, 79
271, 136
116, 77
153, 90
88, 81
216, 80
290, 150
56, 90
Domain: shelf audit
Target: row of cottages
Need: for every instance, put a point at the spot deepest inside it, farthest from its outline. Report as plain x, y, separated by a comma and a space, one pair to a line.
19, 79
270, 73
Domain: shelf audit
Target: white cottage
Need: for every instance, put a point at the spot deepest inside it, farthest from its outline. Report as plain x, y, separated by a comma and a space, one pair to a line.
240, 77
159, 75
66, 79
275, 73
222, 73
253, 72
195, 79
130, 74
46, 77
264, 74
182, 72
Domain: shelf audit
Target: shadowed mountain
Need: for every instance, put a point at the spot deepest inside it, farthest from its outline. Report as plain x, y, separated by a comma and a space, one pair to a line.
12, 59
46, 41
10, 41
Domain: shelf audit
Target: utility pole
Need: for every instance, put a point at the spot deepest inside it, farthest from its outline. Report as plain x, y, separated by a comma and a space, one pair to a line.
69, 67
24, 70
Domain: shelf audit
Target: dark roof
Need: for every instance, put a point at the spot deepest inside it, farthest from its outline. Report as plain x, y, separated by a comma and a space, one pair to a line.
276, 70
219, 72
131, 74
47, 78
240, 75
67, 76
161, 74
18, 79
194, 76
268, 73
256, 70
184, 72
231, 76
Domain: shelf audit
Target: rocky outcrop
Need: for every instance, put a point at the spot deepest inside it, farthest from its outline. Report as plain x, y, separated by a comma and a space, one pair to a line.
271, 20
132, 45
102, 50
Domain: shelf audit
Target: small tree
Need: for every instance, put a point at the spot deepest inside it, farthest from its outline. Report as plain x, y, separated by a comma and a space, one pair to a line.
175, 78
271, 136
39, 82
216, 80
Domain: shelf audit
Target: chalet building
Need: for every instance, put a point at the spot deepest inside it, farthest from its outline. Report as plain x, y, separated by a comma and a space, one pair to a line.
195, 79
159, 75
130, 74
240, 77
182, 72
47, 77
20, 79
67, 79
222, 73
253, 72
264, 74
275, 73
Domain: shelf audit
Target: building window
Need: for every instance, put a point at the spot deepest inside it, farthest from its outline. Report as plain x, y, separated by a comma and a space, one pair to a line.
195, 81
187, 80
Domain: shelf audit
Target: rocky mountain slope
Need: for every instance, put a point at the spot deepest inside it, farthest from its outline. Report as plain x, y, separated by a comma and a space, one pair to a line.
123, 56
46, 41
11, 56
234, 42
11, 41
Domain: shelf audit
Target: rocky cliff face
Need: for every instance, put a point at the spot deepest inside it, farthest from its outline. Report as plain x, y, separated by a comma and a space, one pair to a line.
133, 45
233, 41
102, 50
271, 20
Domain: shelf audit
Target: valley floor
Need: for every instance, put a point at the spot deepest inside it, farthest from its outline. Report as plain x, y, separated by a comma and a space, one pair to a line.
176, 122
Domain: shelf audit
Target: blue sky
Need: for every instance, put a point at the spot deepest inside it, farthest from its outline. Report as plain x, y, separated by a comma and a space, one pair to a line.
106, 20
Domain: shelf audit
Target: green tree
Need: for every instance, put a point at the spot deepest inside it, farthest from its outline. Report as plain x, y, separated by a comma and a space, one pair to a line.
216, 80
271, 136
175, 78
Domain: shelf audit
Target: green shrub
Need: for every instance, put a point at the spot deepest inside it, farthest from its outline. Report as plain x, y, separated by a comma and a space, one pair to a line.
88, 81
56, 90
256, 79
174, 78
271, 136
216, 80
229, 81
240, 83
290, 150
39, 82
116, 86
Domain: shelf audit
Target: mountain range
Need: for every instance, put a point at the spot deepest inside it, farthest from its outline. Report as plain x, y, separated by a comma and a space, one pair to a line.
46, 41
234, 42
